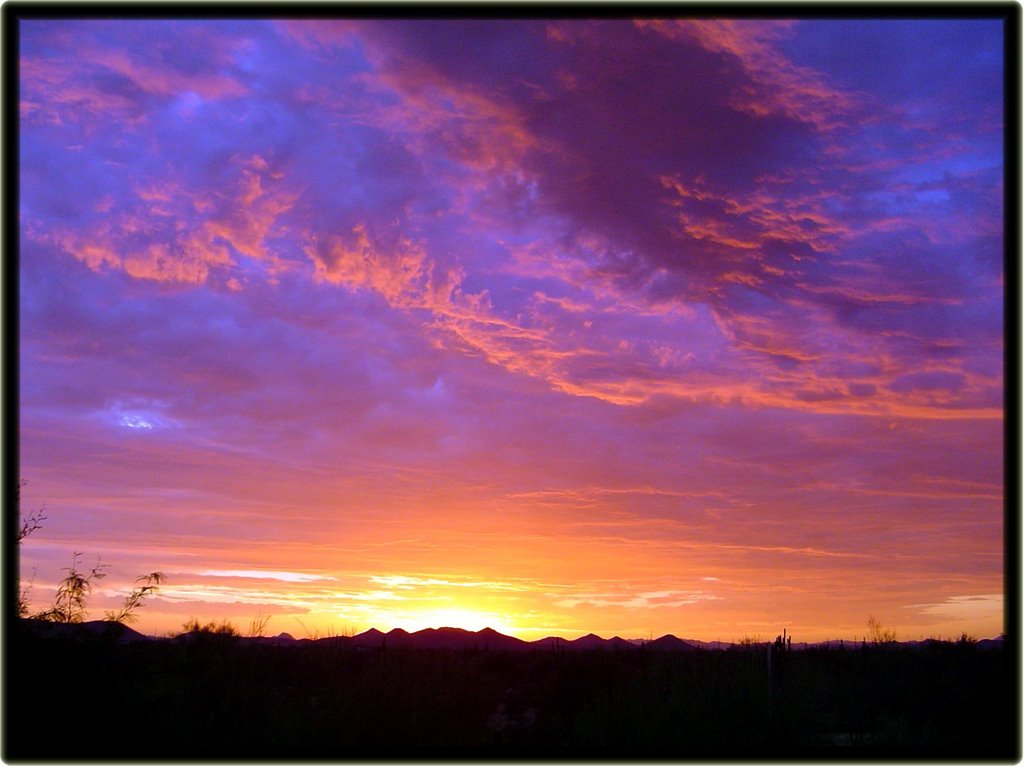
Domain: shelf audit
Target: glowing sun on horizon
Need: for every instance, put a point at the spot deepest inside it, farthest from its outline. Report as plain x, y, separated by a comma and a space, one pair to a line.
467, 619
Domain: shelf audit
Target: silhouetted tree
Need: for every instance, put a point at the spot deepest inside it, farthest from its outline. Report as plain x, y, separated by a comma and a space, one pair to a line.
258, 625
29, 524
72, 593
223, 628
879, 634
33, 521
133, 601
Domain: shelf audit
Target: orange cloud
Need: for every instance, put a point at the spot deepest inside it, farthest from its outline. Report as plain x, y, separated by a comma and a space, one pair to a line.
400, 275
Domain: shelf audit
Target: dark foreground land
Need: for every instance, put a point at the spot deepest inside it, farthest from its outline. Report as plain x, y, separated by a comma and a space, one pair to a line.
90, 697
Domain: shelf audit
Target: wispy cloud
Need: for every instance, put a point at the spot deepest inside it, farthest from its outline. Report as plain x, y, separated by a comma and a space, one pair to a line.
258, 574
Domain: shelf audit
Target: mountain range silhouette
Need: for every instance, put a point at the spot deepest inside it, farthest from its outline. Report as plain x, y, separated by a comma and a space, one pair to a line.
445, 638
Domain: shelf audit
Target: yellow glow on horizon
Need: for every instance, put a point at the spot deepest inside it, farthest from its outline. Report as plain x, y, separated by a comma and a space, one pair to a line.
450, 617
531, 606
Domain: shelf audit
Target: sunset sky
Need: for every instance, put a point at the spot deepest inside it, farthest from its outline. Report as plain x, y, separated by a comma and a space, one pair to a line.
557, 327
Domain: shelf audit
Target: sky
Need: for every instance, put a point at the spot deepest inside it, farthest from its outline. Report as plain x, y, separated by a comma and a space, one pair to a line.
620, 326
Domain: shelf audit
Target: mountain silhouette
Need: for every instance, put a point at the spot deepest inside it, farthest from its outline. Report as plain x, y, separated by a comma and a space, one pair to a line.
371, 638
281, 639
670, 643
552, 643
589, 641
397, 637
105, 629
490, 639
450, 638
